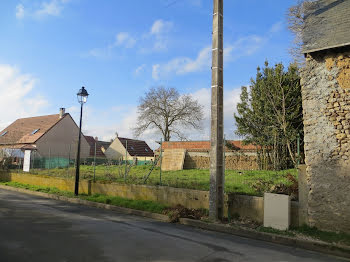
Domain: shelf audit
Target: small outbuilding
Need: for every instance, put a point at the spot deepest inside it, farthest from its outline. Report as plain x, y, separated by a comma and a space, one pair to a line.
129, 149
101, 147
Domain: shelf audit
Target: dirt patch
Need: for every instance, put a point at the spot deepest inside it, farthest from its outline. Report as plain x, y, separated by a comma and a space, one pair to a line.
179, 211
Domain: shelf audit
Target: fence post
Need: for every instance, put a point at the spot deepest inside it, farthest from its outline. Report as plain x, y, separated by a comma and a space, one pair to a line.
68, 165
33, 162
95, 161
160, 163
126, 157
49, 159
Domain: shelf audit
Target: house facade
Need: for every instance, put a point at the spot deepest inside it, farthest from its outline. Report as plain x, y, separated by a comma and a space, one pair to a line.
49, 136
325, 81
129, 149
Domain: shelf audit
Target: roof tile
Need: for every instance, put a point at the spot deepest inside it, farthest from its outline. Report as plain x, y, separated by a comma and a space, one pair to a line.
20, 131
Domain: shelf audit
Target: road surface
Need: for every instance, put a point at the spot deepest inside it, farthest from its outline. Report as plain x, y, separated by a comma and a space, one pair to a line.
38, 229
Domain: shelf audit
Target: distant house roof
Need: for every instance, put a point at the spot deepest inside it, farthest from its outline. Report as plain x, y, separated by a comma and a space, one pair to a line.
26, 131
136, 147
99, 146
205, 145
326, 25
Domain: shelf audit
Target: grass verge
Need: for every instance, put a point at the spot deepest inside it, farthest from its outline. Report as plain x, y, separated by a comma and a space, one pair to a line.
144, 205
332, 237
311, 232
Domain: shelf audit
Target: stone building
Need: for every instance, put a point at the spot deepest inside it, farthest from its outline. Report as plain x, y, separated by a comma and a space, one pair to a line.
237, 155
325, 81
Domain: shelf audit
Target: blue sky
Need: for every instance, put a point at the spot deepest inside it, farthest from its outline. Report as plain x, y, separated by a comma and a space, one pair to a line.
119, 49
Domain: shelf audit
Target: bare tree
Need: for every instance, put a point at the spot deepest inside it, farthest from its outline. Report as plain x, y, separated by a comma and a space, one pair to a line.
166, 110
296, 17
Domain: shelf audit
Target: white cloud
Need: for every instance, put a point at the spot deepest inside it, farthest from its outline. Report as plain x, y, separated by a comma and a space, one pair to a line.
102, 53
160, 27
46, 8
244, 46
124, 39
231, 98
140, 69
196, 3
155, 39
19, 11
183, 65
276, 27
155, 71
159, 36
18, 98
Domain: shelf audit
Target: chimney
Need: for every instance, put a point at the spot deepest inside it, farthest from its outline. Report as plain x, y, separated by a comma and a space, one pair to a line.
62, 112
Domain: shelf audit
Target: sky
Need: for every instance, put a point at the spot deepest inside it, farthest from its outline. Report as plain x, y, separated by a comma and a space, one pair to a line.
119, 50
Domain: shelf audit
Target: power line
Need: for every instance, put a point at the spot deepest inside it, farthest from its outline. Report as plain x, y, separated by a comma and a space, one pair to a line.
171, 3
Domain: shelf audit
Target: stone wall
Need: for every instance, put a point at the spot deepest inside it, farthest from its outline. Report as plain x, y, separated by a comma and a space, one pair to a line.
233, 160
326, 108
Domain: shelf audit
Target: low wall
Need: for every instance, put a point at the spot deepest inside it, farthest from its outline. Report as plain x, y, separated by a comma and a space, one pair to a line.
235, 161
253, 208
166, 195
245, 206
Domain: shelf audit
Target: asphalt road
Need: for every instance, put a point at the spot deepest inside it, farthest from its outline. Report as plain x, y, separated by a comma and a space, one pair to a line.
39, 229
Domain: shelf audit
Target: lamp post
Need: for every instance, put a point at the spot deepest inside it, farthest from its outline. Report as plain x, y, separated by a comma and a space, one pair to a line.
82, 98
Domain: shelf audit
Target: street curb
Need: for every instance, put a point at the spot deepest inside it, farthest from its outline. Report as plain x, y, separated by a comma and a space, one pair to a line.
273, 238
124, 210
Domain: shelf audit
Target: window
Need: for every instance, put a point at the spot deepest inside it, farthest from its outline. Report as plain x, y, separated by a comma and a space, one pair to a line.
4, 133
132, 148
146, 149
36, 130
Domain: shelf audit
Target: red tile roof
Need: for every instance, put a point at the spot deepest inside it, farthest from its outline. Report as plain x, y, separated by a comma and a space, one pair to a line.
137, 147
22, 130
205, 145
99, 145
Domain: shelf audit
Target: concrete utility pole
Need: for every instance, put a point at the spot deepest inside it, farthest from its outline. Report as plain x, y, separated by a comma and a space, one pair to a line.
216, 197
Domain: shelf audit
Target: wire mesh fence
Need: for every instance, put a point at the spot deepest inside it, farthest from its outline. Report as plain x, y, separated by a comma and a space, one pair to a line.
250, 182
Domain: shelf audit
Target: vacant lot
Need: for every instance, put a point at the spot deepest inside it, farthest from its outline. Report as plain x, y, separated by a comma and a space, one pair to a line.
244, 182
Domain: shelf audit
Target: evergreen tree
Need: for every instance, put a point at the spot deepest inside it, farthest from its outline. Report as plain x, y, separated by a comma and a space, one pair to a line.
269, 115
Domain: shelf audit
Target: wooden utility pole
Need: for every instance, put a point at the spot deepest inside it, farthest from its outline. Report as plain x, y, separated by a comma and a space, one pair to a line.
216, 196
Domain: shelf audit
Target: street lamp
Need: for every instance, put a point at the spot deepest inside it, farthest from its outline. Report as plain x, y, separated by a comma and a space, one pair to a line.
82, 98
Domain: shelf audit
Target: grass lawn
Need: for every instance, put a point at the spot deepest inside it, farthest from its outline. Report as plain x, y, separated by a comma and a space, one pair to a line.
254, 182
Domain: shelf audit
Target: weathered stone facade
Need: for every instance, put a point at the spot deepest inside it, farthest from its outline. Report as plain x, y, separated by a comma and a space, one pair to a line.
233, 160
326, 108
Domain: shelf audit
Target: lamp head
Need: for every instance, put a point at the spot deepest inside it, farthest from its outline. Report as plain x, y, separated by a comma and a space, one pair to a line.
82, 95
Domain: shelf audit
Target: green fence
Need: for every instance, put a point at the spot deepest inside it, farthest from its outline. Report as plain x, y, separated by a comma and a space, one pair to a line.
52, 162
61, 162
